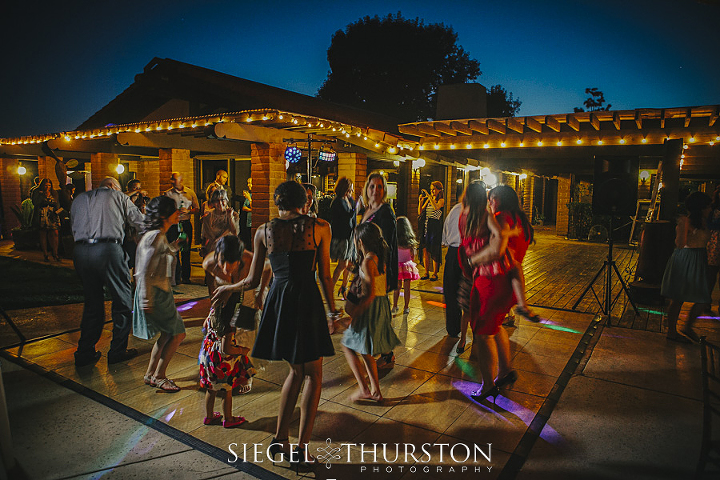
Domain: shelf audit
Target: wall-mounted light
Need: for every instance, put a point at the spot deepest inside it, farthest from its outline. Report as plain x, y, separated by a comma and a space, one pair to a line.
523, 176
120, 169
644, 176
419, 163
485, 171
490, 180
21, 170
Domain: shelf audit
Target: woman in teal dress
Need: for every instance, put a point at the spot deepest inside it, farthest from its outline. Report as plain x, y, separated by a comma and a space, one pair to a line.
154, 308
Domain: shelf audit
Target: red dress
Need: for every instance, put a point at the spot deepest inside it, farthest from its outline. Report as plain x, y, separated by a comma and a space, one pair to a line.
491, 295
517, 245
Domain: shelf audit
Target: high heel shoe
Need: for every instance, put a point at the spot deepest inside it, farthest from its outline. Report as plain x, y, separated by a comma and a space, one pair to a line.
461, 347
341, 292
491, 392
276, 446
508, 380
299, 461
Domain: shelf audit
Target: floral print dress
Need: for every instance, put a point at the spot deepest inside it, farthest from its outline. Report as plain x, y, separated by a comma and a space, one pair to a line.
218, 370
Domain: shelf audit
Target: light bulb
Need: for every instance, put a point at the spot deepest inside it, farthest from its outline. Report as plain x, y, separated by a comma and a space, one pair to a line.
21, 171
120, 169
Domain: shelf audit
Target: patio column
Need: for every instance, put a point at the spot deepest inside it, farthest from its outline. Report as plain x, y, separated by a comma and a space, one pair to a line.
354, 167
46, 169
267, 172
528, 195
174, 160
148, 172
562, 218
450, 188
102, 165
10, 188
413, 193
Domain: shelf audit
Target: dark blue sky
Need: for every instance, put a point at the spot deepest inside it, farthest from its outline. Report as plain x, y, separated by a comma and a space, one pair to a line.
63, 61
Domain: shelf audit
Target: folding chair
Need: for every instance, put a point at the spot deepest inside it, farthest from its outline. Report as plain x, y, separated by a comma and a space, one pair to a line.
710, 448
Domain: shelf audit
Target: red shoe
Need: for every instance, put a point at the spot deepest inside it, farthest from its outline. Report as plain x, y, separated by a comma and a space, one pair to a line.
233, 422
216, 419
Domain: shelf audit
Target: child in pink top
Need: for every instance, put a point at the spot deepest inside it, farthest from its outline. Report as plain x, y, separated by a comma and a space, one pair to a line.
407, 269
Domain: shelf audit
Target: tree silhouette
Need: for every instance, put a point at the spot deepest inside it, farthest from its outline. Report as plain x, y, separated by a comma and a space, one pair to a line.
594, 102
500, 103
370, 66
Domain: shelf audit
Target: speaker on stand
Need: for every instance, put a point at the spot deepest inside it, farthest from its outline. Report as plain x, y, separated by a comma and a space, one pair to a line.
614, 194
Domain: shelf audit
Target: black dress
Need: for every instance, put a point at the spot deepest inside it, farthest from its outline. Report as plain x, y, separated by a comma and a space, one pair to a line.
293, 325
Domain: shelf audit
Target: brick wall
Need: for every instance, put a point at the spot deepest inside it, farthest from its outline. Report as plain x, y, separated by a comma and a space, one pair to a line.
267, 172
175, 160
563, 218
102, 165
528, 195
354, 167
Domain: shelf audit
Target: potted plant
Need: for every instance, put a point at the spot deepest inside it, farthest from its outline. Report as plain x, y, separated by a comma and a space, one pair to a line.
25, 236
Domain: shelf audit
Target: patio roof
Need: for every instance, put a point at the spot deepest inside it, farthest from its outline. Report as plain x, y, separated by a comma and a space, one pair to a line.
563, 143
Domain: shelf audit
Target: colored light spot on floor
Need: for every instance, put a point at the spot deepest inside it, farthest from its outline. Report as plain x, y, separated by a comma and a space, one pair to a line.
186, 306
435, 304
560, 328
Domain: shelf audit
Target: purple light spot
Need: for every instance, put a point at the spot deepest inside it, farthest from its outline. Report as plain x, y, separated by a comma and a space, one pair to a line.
186, 306
439, 289
708, 317
170, 415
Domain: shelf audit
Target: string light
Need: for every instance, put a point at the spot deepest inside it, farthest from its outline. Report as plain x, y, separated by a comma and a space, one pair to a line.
644, 140
559, 143
452, 146
579, 141
600, 142
469, 145
539, 143
522, 144
692, 140
502, 144
436, 146
486, 146
622, 141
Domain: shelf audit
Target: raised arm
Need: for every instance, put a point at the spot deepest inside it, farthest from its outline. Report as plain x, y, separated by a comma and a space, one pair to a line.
323, 236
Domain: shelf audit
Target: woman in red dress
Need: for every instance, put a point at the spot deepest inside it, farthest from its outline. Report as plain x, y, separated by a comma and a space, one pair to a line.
486, 265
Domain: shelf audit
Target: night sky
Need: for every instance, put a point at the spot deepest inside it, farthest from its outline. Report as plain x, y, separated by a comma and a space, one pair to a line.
63, 61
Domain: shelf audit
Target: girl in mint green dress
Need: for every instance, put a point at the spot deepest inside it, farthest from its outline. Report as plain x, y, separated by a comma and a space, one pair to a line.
370, 333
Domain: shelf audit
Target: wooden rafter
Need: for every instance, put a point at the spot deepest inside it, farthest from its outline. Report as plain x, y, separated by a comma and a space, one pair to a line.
478, 126
496, 126
444, 128
428, 130
662, 118
573, 122
638, 119
410, 130
616, 120
461, 127
533, 124
552, 123
515, 124
688, 117
713, 117
594, 121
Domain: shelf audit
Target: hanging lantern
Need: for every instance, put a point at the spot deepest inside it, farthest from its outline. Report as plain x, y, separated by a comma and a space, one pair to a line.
292, 153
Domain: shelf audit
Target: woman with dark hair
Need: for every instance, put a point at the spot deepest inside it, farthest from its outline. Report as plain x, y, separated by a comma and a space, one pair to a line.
46, 218
293, 326
432, 205
379, 212
486, 294
310, 208
342, 223
154, 308
505, 205
685, 278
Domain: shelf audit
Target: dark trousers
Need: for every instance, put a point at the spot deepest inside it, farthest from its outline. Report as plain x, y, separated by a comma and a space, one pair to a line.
103, 265
451, 280
182, 268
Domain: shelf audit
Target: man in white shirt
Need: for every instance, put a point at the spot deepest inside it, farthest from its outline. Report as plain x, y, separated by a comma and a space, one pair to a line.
187, 204
99, 218
452, 272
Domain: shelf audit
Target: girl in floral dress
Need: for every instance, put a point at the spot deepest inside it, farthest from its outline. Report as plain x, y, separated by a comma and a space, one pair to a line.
223, 363
407, 269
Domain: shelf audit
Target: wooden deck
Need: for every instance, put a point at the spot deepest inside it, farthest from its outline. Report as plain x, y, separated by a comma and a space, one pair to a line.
557, 271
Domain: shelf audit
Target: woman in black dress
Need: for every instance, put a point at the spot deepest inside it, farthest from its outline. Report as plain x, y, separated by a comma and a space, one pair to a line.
293, 326
379, 212
432, 205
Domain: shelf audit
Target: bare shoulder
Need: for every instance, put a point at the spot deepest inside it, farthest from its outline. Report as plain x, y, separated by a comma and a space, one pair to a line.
322, 223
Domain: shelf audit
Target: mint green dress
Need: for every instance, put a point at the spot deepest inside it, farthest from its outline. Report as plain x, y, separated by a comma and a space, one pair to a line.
371, 333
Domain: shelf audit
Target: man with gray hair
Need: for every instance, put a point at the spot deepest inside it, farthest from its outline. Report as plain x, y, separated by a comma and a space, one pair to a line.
99, 218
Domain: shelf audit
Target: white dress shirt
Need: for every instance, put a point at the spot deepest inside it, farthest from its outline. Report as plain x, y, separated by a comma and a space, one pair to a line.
451, 227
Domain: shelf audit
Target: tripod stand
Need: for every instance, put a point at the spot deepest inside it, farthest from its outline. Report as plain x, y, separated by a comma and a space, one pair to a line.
608, 267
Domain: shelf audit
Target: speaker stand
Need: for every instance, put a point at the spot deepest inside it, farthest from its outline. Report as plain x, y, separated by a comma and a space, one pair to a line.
608, 268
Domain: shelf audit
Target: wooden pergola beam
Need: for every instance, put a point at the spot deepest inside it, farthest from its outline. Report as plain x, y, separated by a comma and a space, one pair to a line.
441, 127
638, 119
552, 123
410, 130
662, 118
428, 130
533, 124
616, 120
688, 117
461, 127
595, 121
515, 125
478, 127
573, 122
496, 126
713, 117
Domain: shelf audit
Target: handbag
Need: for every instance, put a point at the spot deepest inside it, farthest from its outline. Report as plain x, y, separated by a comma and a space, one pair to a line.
237, 315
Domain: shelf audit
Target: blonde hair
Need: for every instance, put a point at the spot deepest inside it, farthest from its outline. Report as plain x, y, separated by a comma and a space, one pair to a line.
370, 178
